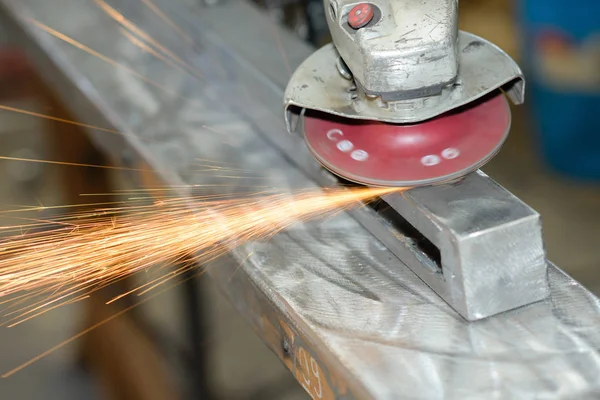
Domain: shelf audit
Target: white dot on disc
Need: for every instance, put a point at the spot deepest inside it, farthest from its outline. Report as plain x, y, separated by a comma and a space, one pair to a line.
345, 145
359, 155
450, 153
333, 132
430, 160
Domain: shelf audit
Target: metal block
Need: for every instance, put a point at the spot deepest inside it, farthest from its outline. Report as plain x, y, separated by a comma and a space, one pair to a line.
474, 243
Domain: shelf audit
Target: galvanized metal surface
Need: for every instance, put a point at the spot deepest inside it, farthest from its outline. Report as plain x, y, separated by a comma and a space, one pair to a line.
355, 321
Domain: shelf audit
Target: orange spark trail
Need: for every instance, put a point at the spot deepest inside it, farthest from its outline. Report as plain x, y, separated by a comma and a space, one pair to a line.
32, 160
71, 339
127, 24
66, 121
145, 37
91, 250
168, 21
94, 53
91, 328
139, 43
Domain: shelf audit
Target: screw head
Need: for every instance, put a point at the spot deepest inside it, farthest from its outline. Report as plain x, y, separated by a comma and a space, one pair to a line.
286, 345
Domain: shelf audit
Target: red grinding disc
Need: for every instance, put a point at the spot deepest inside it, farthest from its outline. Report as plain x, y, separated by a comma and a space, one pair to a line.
380, 154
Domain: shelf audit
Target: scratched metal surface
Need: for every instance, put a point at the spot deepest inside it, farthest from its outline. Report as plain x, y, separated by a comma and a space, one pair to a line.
391, 333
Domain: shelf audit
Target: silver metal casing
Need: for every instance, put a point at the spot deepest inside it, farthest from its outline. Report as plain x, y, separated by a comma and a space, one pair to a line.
409, 50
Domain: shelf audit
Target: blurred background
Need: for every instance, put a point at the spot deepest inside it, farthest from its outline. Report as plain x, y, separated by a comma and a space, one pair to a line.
551, 161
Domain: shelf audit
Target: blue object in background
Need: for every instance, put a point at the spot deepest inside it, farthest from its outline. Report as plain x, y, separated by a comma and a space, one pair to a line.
562, 70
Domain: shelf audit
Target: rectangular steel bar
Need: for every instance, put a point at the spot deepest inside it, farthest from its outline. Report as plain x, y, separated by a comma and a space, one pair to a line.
344, 314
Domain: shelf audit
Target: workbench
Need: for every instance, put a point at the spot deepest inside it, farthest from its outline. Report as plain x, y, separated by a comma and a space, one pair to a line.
342, 312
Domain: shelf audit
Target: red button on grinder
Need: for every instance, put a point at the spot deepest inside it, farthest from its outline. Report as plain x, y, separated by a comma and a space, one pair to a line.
360, 15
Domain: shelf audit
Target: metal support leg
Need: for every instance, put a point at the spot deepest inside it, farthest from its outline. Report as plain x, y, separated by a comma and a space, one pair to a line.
198, 334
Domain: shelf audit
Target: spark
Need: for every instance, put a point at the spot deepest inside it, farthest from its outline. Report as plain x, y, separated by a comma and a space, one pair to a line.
134, 29
142, 37
95, 326
63, 120
139, 43
33, 160
136, 41
98, 55
47, 264
168, 21
92, 249
70, 340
